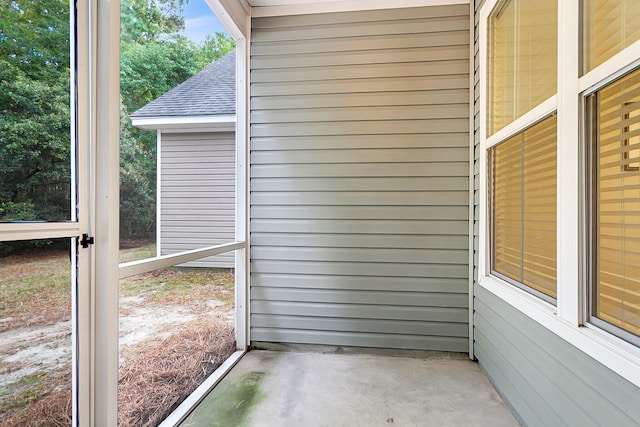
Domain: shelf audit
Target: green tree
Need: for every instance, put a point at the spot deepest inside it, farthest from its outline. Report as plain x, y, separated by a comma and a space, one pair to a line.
154, 59
144, 20
35, 103
34, 110
214, 46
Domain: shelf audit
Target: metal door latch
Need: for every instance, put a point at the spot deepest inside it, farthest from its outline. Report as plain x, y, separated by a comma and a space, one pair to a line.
86, 241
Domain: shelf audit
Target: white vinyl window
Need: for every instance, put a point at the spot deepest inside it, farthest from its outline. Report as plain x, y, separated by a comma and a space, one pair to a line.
521, 59
521, 75
611, 33
559, 169
613, 143
608, 27
523, 208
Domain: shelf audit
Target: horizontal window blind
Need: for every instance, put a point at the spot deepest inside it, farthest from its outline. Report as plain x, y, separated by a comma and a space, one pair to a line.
522, 59
524, 207
609, 27
507, 207
617, 208
539, 207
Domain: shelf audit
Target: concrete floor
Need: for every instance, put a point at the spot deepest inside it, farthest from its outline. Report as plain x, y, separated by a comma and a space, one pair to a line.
342, 387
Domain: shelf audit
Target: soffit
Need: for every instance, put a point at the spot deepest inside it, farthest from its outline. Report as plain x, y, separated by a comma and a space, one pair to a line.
294, 7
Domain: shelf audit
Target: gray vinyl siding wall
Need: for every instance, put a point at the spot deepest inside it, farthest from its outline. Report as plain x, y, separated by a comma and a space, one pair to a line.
546, 381
359, 178
197, 194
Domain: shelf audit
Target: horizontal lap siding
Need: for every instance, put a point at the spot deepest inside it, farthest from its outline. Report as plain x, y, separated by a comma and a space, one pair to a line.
547, 381
359, 178
197, 193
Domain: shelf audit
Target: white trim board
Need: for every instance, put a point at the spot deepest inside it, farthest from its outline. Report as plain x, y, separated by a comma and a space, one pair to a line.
158, 192
471, 175
235, 15
38, 230
265, 8
132, 268
218, 123
242, 191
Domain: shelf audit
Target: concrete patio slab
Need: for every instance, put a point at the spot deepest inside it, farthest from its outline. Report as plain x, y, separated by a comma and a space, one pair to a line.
272, 388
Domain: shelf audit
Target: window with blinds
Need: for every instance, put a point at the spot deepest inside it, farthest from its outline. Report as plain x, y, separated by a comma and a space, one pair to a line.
522, 59
615, 170
523, 207
608, 27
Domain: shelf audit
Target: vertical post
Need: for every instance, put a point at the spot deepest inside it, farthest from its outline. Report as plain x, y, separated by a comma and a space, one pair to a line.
235, 15
471, 170
568, 186
80, 275
105, 106
158, 192
242, 193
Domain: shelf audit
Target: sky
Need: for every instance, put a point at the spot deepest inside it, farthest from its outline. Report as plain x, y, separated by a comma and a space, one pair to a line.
200, 20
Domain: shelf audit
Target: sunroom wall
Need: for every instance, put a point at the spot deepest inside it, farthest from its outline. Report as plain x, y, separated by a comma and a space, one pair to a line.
545, 379
360, 178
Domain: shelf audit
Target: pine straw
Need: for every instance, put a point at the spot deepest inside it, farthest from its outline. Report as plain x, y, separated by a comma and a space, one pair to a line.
157, 376
51, 410
154, 379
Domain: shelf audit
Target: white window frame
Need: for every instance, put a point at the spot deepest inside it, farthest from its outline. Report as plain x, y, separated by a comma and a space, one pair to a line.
569, 318
520, 124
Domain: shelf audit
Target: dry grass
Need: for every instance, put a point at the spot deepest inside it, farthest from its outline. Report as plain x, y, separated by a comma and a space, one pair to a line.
35, 289
50, 409
155, 376
161, 374
181, 286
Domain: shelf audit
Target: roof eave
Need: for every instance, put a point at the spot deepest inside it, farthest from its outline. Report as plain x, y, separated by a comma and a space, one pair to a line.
211, 123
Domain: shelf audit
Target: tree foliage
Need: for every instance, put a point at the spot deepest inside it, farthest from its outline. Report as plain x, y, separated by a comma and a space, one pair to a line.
143, 21
35, 103
155, 58
34, 110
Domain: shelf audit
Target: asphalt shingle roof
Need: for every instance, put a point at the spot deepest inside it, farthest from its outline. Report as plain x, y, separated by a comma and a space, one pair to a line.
210, 92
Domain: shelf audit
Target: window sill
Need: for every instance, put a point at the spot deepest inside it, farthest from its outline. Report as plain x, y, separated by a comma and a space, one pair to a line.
619, 356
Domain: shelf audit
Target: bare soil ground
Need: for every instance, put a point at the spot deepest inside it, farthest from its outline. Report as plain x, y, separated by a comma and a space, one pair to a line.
176, 328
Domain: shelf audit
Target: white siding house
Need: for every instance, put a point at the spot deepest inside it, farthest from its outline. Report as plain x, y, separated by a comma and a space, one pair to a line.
195, 124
